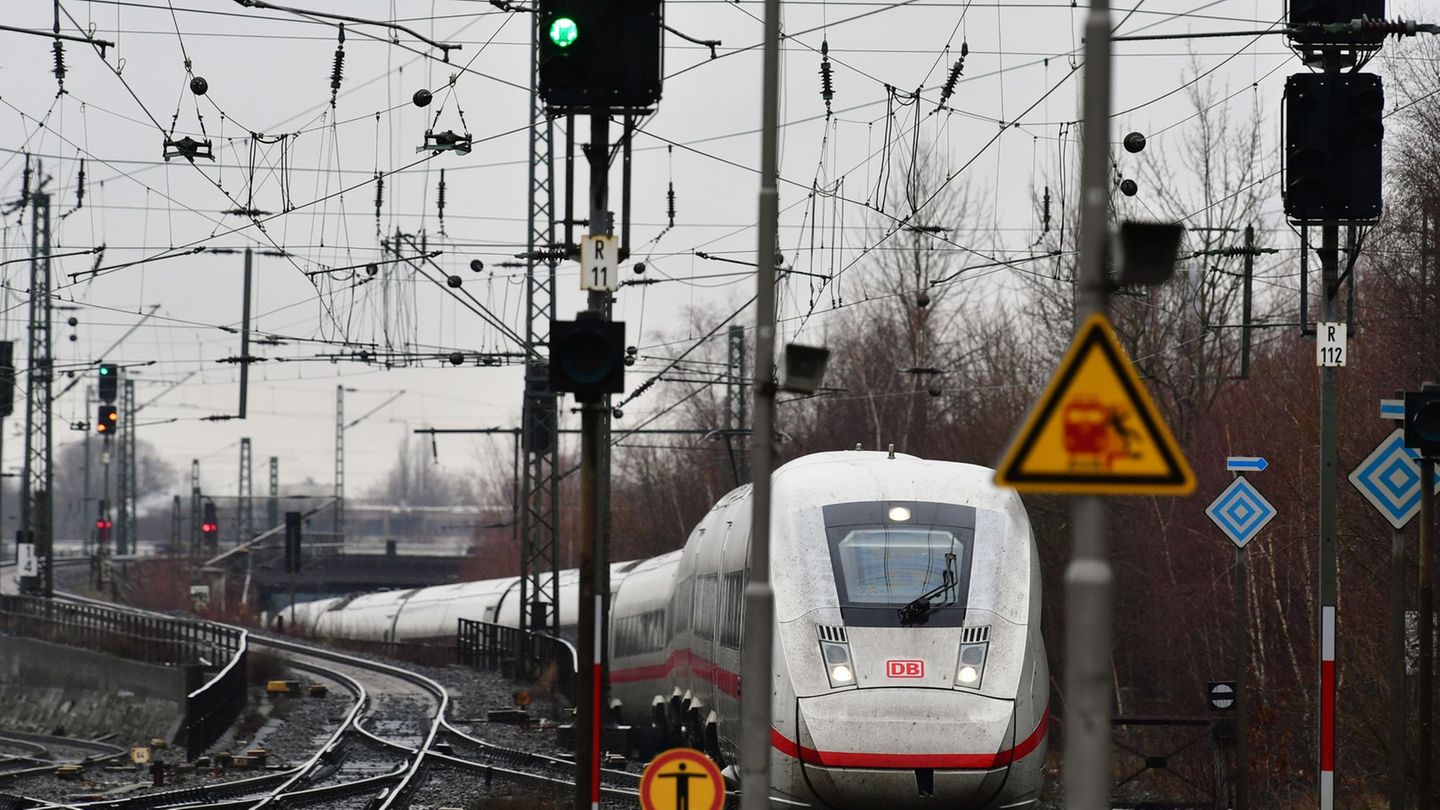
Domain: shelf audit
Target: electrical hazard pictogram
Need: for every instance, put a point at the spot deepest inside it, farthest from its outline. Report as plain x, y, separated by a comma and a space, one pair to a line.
1095, 430
682, 779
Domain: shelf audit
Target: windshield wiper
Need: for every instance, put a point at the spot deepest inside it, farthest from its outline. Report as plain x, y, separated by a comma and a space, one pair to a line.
918, 610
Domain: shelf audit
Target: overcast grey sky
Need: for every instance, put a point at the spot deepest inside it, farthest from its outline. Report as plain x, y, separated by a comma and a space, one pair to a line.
269, 73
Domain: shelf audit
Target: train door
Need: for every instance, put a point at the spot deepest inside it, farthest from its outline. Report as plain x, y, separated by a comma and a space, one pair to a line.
734, 577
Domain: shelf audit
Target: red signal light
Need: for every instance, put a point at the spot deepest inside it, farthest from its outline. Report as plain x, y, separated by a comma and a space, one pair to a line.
208, 527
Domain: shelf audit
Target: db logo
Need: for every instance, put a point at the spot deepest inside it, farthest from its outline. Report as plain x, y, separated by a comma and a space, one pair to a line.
903, 668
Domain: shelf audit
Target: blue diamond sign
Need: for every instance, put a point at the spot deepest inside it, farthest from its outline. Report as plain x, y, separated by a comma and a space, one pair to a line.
1389, 478
1240, 511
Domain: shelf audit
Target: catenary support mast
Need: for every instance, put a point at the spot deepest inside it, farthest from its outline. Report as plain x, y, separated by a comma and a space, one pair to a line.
1088, 578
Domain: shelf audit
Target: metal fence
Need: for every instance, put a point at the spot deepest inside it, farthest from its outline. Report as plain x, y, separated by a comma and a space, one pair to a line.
430, 655
215, 704
212, 702
517, 654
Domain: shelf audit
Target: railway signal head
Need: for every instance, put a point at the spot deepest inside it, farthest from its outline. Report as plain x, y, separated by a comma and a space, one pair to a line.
563, 32
1422, 421
7, 377
587, 357
1334, 133
210, 524
107, 421
595, 54
109, 381
803, 368
294, 529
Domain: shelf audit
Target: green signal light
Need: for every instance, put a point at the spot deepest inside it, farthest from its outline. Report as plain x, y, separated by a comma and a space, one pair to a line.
564, 32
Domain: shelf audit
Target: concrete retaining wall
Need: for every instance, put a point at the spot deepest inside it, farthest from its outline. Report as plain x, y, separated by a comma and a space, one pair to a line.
47, 686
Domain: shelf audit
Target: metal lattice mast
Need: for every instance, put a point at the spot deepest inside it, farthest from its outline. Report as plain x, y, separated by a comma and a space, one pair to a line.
177, 526
539, 529
125, 539
245, 519
133, 467
196, 539
339, 464
272, 513
737, 404
36, 514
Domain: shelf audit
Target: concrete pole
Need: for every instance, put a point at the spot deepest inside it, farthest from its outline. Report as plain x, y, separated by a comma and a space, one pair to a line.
1088, 707
1397, 671
1398, 748
1242, 670
1329, 409
756, 665
1427, 631
594, 512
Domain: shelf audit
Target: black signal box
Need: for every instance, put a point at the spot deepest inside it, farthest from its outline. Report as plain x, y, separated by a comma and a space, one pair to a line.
587, 357
1334, 133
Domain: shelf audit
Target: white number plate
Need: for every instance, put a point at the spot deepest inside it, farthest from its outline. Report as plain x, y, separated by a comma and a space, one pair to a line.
1330, 344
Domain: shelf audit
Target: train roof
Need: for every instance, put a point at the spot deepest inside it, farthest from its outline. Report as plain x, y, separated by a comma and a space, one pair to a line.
859, 475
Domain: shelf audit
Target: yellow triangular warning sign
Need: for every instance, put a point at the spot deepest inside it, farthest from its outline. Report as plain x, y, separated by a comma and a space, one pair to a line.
1095, 430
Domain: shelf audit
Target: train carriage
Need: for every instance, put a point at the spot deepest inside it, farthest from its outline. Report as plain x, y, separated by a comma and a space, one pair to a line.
909, 666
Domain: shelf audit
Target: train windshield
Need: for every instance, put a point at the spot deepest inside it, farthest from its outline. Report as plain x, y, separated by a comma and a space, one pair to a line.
901, 563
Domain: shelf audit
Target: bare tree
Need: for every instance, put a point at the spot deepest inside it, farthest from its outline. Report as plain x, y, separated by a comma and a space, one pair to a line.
1184, 335
415, 479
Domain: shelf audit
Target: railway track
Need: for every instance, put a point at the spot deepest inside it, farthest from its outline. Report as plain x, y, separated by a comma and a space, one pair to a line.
27, 754
380, 753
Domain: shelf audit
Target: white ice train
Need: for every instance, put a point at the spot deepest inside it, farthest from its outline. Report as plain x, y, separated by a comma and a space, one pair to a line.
909, 666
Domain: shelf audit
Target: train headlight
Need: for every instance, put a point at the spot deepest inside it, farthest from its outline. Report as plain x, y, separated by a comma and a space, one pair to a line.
838, 665
972, 665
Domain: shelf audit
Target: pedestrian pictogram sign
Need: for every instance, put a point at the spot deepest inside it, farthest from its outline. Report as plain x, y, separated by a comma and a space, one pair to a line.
1095, 430
682, 779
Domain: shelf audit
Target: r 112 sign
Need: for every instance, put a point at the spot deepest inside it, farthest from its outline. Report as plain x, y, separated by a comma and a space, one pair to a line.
1330, 344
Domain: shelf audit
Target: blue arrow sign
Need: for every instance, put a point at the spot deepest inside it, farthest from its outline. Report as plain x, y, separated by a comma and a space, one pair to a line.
1392, 409
1240, 511
1389, 478
1246, 464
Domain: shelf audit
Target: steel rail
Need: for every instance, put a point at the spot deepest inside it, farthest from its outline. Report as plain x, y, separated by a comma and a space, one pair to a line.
510, 764
442, 696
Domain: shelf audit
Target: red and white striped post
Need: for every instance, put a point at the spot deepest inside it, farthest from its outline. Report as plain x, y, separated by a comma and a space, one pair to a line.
1327, 707
597, 693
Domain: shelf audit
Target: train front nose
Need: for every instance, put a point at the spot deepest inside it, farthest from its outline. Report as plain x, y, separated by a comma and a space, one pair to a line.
907, 748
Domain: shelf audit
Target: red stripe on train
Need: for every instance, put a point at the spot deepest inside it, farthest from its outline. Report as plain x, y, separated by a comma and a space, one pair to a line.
727, 681
856, 759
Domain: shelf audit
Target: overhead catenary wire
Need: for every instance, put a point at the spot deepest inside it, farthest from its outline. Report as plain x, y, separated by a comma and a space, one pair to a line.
871, 248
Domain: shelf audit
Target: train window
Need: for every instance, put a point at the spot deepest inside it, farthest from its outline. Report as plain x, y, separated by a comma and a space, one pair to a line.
641, 634
893, 555
707, 599
731, 609
888, 566
680, 607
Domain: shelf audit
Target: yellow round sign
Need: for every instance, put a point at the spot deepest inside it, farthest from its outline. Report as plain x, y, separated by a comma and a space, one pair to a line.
682, 779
